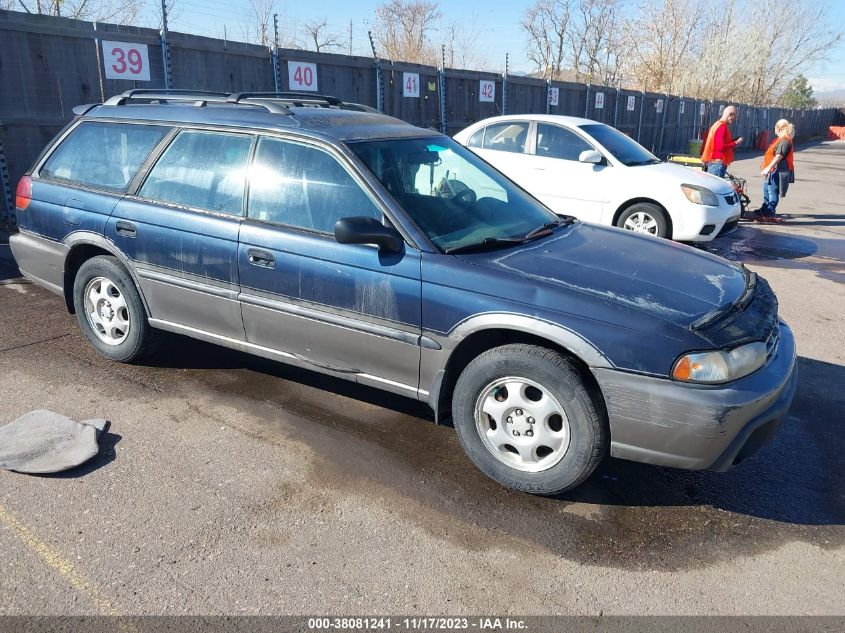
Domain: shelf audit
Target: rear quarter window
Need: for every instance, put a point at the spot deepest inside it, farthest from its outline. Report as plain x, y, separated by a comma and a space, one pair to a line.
102, 155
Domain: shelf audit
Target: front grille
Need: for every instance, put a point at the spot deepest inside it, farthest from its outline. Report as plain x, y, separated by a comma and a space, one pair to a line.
772, 341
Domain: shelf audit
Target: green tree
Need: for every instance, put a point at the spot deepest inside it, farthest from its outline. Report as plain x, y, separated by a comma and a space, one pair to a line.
798, 94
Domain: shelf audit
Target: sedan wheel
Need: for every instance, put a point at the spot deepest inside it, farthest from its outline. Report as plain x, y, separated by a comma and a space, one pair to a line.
645, 217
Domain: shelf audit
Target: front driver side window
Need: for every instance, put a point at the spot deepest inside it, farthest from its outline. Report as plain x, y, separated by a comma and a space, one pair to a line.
303, 186
556, 142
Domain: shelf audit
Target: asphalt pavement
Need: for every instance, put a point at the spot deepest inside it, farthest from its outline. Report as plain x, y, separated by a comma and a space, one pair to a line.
231, 485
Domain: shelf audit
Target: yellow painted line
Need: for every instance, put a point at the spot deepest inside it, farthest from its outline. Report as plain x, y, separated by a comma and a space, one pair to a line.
58, 563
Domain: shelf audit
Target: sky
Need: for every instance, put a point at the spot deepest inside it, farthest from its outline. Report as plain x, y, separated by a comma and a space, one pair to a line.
497, 22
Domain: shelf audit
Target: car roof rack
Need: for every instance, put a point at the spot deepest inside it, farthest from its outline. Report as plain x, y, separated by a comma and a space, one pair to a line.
294, 98
195, 97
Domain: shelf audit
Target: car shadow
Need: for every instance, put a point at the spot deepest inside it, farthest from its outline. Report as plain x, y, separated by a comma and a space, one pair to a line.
797, 478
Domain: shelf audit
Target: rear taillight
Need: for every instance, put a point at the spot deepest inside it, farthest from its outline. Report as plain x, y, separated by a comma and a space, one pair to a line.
24, 193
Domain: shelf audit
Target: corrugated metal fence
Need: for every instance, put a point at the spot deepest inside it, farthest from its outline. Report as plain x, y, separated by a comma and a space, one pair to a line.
48, 65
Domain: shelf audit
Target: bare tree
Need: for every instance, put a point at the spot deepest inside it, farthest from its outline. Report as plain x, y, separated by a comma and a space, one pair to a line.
174, 12
663, 38
546, 24
596, 47
119, 11
317, 34
403, 30
257, 26
461, 42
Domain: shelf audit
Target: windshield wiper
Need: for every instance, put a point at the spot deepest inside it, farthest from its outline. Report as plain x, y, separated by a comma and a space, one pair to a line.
648, 161
488, 243
546, 229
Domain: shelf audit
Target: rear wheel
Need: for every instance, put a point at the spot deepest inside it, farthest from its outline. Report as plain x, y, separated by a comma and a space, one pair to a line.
526, 419
644, 217
109, 310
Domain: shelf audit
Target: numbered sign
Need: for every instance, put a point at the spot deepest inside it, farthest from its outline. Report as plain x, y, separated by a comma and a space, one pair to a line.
632, 102
554, 96
659, 106
486, 90
302, 76
410, 85
599, 101
682, 107
125, 60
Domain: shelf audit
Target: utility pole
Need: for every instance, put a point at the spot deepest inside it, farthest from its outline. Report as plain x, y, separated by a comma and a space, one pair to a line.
165, 49
350, 37
505, 85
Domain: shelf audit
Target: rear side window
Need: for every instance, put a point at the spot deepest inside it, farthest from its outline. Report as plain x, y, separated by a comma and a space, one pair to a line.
476, 139
203, 170
303, 186
103, 155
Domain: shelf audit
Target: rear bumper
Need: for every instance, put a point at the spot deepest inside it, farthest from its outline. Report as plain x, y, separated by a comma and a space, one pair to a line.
660, 421
40, 259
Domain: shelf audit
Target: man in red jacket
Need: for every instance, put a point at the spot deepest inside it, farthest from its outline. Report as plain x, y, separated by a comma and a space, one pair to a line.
718, 150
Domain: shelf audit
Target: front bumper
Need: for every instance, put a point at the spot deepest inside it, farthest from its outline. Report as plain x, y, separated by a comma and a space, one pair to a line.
660, 421
700, 223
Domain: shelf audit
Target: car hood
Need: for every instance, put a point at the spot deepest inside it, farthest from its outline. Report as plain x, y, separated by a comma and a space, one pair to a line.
666, 280
683, 176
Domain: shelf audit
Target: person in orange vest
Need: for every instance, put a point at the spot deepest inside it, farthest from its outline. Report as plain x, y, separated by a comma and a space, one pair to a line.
778, 170
718, 150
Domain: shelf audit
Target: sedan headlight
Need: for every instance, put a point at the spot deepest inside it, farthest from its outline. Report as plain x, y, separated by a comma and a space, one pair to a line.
717, 367
700, 195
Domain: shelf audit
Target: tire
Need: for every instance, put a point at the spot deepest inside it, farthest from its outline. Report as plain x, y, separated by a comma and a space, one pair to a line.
110, 312
645, 217
526, 419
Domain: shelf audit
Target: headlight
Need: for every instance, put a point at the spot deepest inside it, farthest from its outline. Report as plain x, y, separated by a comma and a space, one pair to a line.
700, 195
717, 367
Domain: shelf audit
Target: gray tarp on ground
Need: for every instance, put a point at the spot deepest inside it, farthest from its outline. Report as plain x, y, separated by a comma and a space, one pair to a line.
41, 442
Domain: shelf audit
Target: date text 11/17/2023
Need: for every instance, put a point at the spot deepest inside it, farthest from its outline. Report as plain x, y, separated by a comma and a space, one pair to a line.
415, 623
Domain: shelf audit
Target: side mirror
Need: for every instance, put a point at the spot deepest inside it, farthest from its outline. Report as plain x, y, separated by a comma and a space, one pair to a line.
364, 230
591, 156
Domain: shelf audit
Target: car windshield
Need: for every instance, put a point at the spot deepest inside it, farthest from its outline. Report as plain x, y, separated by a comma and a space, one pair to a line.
625, 149
458, 200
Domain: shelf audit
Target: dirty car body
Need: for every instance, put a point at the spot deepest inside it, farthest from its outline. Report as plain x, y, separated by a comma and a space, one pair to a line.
359, 246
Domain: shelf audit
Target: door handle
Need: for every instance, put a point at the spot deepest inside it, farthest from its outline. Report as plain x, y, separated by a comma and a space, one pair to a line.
261, 258
125, 228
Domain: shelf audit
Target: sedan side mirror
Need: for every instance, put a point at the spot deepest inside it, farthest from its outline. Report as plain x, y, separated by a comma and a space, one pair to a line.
365, 230
591, 156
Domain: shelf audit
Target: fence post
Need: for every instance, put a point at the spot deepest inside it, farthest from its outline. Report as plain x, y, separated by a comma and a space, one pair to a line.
277, 79
549, 95
640, 124
616, 107
662, 124
505, 85
99, 64
441, 77
587, 102
379, 95
165, 48
7, 217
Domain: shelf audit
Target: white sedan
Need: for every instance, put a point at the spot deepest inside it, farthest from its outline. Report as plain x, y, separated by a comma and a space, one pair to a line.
596, 173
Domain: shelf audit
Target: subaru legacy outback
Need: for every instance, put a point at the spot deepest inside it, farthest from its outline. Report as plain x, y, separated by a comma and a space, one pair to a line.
351, 243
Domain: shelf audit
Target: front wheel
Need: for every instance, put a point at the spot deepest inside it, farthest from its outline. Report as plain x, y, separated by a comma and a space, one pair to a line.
526, 419
644, 217
109, 310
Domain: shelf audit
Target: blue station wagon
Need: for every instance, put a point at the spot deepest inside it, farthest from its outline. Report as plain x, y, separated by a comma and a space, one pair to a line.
347, 242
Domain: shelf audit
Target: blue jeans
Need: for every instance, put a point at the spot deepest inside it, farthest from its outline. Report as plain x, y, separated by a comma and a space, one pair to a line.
771, 195
717, 168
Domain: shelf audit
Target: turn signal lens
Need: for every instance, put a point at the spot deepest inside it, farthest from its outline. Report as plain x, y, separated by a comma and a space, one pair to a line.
719, 366
23, 196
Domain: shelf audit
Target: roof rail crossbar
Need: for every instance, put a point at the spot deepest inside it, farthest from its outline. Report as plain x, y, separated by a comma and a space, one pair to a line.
294, 97
195, 97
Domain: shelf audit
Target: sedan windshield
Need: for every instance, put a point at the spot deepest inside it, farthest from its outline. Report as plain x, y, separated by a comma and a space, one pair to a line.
454, 197
625, 149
